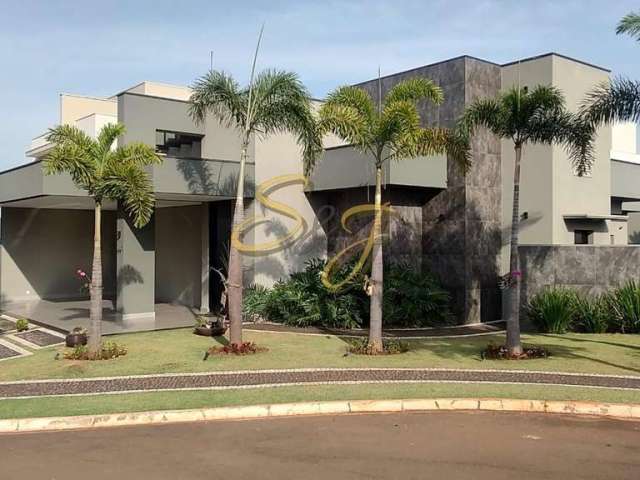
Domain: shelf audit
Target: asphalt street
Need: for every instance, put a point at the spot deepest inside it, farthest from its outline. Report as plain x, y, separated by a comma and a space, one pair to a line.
437, 445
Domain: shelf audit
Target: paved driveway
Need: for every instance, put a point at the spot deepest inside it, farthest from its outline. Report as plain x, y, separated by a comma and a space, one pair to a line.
439, 445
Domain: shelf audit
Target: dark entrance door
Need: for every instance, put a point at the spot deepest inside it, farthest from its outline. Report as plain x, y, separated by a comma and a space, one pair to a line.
219, 238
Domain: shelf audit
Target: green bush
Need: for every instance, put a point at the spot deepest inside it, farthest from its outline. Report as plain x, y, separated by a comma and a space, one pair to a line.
22, 325
302, 300
411, 299
625, 308
592, 314
553, 310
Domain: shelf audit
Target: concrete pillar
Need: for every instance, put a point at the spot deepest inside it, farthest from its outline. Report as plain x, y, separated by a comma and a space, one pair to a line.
136, 260
204, 248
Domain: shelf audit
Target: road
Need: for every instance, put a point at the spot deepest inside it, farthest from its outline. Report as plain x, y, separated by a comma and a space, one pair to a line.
439, 445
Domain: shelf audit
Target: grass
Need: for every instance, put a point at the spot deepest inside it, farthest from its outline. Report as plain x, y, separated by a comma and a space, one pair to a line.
180, 351
137, 402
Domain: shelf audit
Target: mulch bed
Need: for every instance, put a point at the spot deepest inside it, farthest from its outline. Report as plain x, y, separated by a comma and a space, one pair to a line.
6, 352
40, 338
229, 379
6, 325
393, 333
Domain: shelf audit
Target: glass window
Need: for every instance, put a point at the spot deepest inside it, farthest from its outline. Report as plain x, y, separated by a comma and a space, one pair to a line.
178, 144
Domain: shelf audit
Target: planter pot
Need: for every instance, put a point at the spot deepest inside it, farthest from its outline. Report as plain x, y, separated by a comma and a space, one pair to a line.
218, 330
202, 331
75, 339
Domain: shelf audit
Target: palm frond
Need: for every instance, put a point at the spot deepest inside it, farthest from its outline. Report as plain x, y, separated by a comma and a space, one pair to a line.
344, 121
414, 90
281, 104
354, 98
218, 93
108, 134
131, 185
398, 123
630, 24
484, 112
618, 101
73, 152
70, 158
69, 134
435, 141
135, 153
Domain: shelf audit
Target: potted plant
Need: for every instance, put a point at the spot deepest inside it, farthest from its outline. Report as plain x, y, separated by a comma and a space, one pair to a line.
218, 327
208, 327
77, 336
202, 326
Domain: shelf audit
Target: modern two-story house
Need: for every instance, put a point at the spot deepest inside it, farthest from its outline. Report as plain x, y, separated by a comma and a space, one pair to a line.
576, 230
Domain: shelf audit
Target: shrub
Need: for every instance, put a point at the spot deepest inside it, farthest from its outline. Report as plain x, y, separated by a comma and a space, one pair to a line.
553, 310
501, 352
108, 351
22, 325
389, 347
302, 300
592, 314
411, 299
625, 308
245, 348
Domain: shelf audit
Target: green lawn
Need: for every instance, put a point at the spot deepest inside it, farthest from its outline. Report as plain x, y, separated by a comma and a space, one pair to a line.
138, 402
181, 351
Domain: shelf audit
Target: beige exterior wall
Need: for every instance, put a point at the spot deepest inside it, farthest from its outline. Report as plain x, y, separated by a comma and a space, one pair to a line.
549, 186
536, 197
73, 107
164, 90
94, 123
624, 137
572, 194
280, 155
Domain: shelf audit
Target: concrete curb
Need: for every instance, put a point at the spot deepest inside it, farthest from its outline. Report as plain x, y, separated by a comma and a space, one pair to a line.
597, 409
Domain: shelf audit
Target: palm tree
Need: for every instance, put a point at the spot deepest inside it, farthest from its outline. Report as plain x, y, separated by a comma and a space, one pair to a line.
619, 100
524, 116
105, 173
273, 102
387, 130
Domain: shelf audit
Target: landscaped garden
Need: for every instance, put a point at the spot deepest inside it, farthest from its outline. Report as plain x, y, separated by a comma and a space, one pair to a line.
181, 351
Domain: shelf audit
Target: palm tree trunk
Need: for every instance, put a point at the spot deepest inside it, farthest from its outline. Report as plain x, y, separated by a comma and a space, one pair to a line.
235, 259
375, 318
513, 320
95, 320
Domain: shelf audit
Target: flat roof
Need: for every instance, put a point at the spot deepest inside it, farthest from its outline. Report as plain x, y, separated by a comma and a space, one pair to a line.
549, 54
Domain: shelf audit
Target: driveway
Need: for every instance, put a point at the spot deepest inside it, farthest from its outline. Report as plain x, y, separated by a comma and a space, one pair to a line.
439, 445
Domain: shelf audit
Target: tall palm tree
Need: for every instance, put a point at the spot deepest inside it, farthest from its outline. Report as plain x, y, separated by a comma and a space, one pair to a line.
273, 102
618, 100
386, 130
105, 173
524, 116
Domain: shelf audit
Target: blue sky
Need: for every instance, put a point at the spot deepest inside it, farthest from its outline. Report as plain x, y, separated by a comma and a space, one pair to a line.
100, 48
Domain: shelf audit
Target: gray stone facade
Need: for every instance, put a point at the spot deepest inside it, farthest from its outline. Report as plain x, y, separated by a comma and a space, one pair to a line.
591, 269
456, 232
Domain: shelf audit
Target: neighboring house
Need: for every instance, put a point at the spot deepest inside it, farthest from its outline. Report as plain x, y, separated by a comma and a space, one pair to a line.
452, 224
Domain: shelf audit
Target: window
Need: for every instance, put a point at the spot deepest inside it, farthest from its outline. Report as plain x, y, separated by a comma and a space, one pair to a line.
583, 237
178, 144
